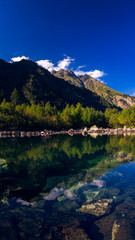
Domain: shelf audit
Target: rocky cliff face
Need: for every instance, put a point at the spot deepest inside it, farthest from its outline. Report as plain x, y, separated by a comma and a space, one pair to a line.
112, 96
123, 101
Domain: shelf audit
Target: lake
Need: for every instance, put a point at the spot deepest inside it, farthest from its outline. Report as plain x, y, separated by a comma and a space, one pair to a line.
67, 188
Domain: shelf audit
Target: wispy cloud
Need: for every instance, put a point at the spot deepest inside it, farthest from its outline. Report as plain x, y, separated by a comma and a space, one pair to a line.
18, 59
81, 67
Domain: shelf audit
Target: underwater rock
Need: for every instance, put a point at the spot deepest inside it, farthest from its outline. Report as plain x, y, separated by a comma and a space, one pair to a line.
108, 193
122, 230
39, 204
90, 195
77, 186
98, 183
120, 224
72, 233
65, 206
97, 207
55, 193
61, 198
69, 195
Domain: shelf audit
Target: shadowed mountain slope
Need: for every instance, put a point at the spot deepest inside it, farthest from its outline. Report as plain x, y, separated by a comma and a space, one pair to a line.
37, 85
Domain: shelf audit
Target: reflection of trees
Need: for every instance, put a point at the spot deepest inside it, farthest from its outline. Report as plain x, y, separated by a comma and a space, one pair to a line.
17, 150
32, 163
124, 143
35, 155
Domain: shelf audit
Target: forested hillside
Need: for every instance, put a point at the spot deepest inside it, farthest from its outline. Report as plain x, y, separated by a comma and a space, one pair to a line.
31, 98
37, 85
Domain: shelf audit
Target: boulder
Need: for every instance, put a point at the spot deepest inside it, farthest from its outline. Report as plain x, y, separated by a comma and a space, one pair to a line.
85, 129
94, 128
71, 132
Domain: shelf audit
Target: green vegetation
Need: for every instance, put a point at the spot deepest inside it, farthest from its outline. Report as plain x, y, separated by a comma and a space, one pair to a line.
36, 117
115, 118
31, 98
26, 82
15, 116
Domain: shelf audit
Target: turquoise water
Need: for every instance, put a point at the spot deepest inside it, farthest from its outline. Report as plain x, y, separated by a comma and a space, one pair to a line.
67, 187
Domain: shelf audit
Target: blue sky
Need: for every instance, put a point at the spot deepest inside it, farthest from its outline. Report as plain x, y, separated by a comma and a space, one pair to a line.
96, 34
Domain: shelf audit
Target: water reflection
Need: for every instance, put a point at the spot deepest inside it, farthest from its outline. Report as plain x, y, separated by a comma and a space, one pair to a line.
31, 167
67, 187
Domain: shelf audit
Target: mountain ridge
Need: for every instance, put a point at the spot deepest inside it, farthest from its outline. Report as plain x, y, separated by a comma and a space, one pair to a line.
37, 85
85, 81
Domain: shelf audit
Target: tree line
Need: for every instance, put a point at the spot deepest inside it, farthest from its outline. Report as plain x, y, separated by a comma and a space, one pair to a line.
15, 115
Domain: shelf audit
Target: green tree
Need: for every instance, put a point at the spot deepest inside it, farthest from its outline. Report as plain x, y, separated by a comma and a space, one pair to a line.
15, 97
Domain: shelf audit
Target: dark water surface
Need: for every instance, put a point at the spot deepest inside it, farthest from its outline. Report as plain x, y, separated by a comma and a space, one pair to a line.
63, 187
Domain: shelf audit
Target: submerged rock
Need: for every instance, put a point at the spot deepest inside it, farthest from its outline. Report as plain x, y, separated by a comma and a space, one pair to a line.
55, 193
122, 230
90, 195
65, 205
69, 195
108, 193
73, 233
97, 207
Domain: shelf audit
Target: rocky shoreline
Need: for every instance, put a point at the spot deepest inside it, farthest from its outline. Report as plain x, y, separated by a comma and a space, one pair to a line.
93, 131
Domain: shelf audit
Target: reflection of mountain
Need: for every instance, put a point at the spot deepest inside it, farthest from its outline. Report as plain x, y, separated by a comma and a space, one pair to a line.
34, 165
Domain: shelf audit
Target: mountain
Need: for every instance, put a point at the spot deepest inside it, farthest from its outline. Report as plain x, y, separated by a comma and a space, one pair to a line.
37, 85
113, 97
70, 77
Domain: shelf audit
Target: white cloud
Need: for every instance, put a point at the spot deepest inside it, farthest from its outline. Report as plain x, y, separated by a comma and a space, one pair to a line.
65, 63
47, 64
81, 67
133, 94
18, 59
97, 74
62, 64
